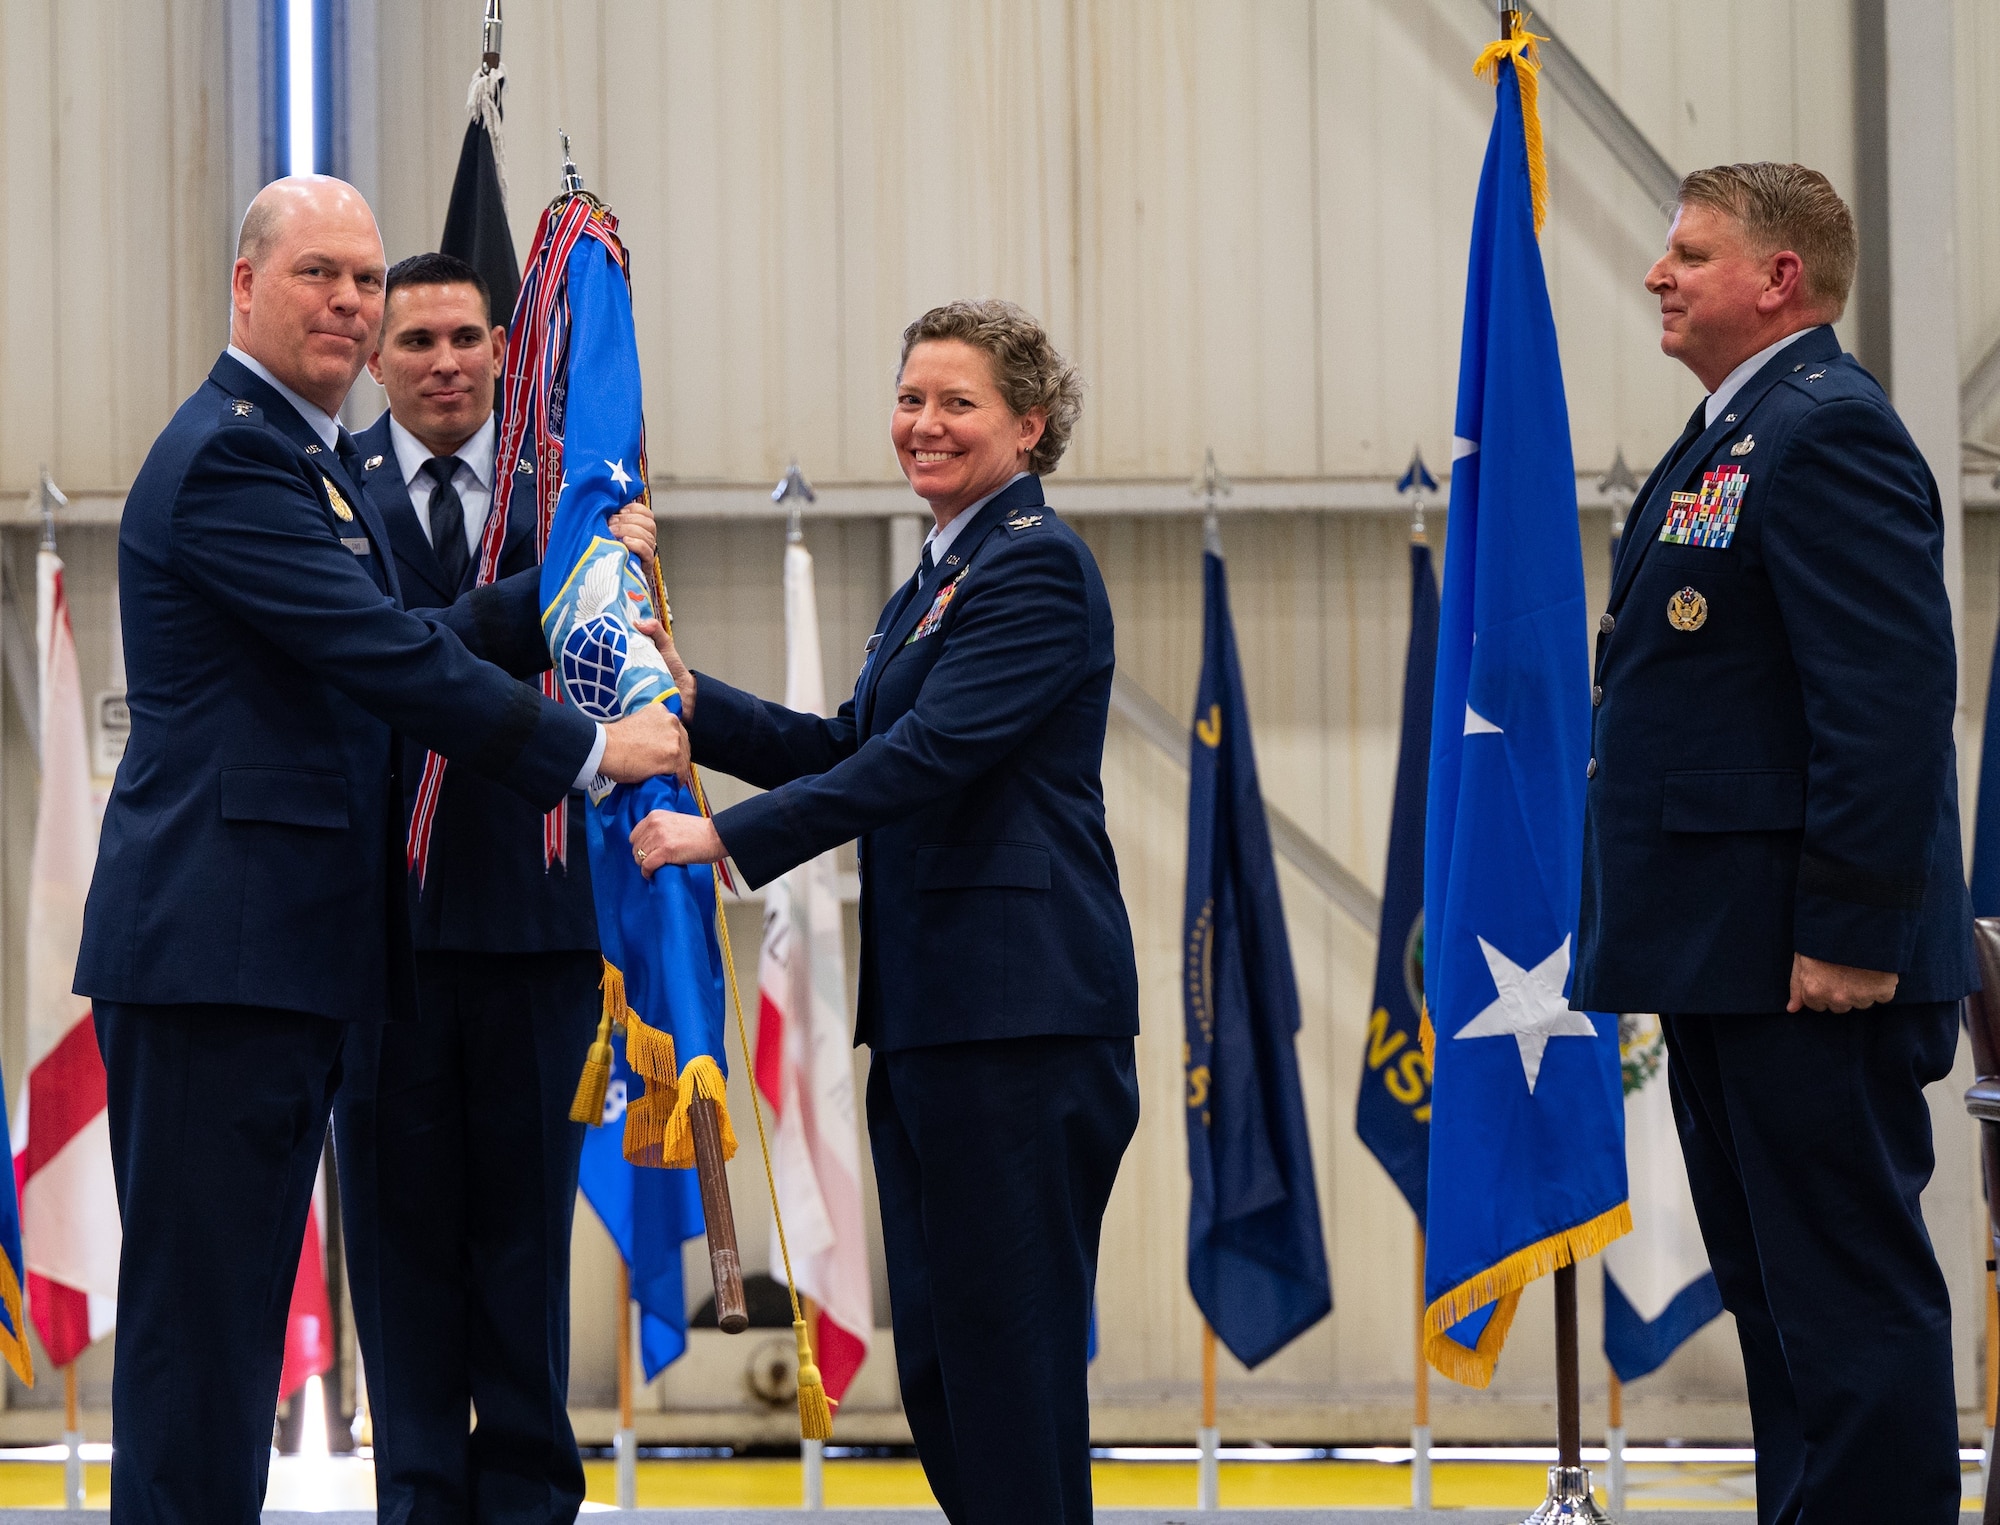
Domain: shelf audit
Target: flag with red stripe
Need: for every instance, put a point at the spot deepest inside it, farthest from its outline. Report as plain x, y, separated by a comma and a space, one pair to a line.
805, 1064
62, 1166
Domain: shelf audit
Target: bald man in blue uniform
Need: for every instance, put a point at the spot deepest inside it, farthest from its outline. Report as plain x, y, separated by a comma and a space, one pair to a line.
247, 907
1772, 852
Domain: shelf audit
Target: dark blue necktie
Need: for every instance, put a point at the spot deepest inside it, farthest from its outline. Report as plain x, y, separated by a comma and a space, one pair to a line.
448, 520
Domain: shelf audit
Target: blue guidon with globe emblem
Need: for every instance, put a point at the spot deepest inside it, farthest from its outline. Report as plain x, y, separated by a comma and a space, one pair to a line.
607, 668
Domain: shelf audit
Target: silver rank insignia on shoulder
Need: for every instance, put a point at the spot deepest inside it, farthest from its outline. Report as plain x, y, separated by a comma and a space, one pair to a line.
240, 408
1687, 610
1815, 376
371, 463
1025, 522
340, 509
1744, 446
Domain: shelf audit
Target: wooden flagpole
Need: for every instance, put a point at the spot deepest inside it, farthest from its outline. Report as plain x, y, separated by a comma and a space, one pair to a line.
1614, 1442
1208, 1475
812, 1453
72, 1441
626, 1445
1420, 1430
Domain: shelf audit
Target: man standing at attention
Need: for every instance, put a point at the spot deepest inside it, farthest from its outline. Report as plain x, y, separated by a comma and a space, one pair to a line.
1771, 845
458, 1161
248, 904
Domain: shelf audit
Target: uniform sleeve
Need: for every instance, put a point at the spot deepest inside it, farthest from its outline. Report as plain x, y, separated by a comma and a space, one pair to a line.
1019, 645
250, 532
1853, 544
501, 623
763, 743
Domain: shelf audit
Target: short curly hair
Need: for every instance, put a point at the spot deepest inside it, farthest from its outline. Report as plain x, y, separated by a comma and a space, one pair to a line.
1028, 370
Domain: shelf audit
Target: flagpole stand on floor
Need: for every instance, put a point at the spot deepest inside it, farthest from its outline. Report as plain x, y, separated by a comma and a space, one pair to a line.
1569, 1501
1208, 1470
1614, 1445
626, 1445
1420, 1428
72, 1442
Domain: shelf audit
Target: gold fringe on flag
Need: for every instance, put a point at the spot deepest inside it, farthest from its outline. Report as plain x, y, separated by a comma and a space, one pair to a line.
658, 1131
1501, 1285
14, 1342
1527, 57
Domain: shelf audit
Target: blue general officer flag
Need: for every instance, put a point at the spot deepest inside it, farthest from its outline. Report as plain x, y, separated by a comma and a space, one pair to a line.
1256, 1259
1392, 1114
1527, 1166
648, 1213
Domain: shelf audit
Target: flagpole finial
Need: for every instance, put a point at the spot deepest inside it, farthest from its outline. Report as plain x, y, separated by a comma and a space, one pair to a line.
1418, 482
794, 489
52, 498
489, 36
1210, 485
572, 182
1621, 487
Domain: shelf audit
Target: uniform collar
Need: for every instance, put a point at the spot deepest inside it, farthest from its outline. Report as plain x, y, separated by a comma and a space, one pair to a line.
476, 454
940, 540
317, 419
1720, 398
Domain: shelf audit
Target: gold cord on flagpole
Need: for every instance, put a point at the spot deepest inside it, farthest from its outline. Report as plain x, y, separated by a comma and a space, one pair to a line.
815, 1411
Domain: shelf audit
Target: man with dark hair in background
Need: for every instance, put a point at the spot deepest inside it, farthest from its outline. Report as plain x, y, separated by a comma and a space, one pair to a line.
1771, 845
458, 1161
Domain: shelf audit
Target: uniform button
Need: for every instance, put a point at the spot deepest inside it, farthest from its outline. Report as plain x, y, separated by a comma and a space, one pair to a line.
1596, 695
1606, 624
1590, 768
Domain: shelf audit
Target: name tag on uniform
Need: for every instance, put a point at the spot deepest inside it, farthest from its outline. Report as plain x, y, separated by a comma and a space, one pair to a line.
1707, 518
357, 544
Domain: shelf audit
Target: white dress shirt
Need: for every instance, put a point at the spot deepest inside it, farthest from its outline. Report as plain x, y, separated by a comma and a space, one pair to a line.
321, 422
1721, 397
939, 540
473, 479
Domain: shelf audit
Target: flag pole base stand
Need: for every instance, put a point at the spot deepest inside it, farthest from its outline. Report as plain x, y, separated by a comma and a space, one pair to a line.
1569, 1501
626, 1445
1614, 1482
73, 1469
1420, 1466
1208, 1474
812, 1469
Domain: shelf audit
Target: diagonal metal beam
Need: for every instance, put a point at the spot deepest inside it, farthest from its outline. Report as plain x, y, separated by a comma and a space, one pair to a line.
1151, 719
1605, 118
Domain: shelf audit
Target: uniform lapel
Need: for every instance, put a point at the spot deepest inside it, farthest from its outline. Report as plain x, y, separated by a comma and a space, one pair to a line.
1818, 345
1026, 493
391, 497
239, 380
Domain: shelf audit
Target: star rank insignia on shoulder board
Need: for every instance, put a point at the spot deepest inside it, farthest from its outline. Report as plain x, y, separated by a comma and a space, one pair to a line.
340, 509
1024, 522
241, 408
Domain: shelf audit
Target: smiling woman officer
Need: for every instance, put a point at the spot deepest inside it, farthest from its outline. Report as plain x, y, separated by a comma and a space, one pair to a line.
998, 989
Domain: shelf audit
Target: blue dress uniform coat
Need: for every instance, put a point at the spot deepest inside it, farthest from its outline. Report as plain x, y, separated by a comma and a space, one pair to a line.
998, 987
458, 1161
1773, 772
248, 904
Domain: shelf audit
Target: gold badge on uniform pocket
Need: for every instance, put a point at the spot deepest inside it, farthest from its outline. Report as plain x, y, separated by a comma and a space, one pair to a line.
340, 509
1687, 610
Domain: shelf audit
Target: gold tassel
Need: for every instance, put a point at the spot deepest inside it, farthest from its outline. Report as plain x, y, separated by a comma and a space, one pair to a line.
1527, 71
815, 1410
595, 1082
